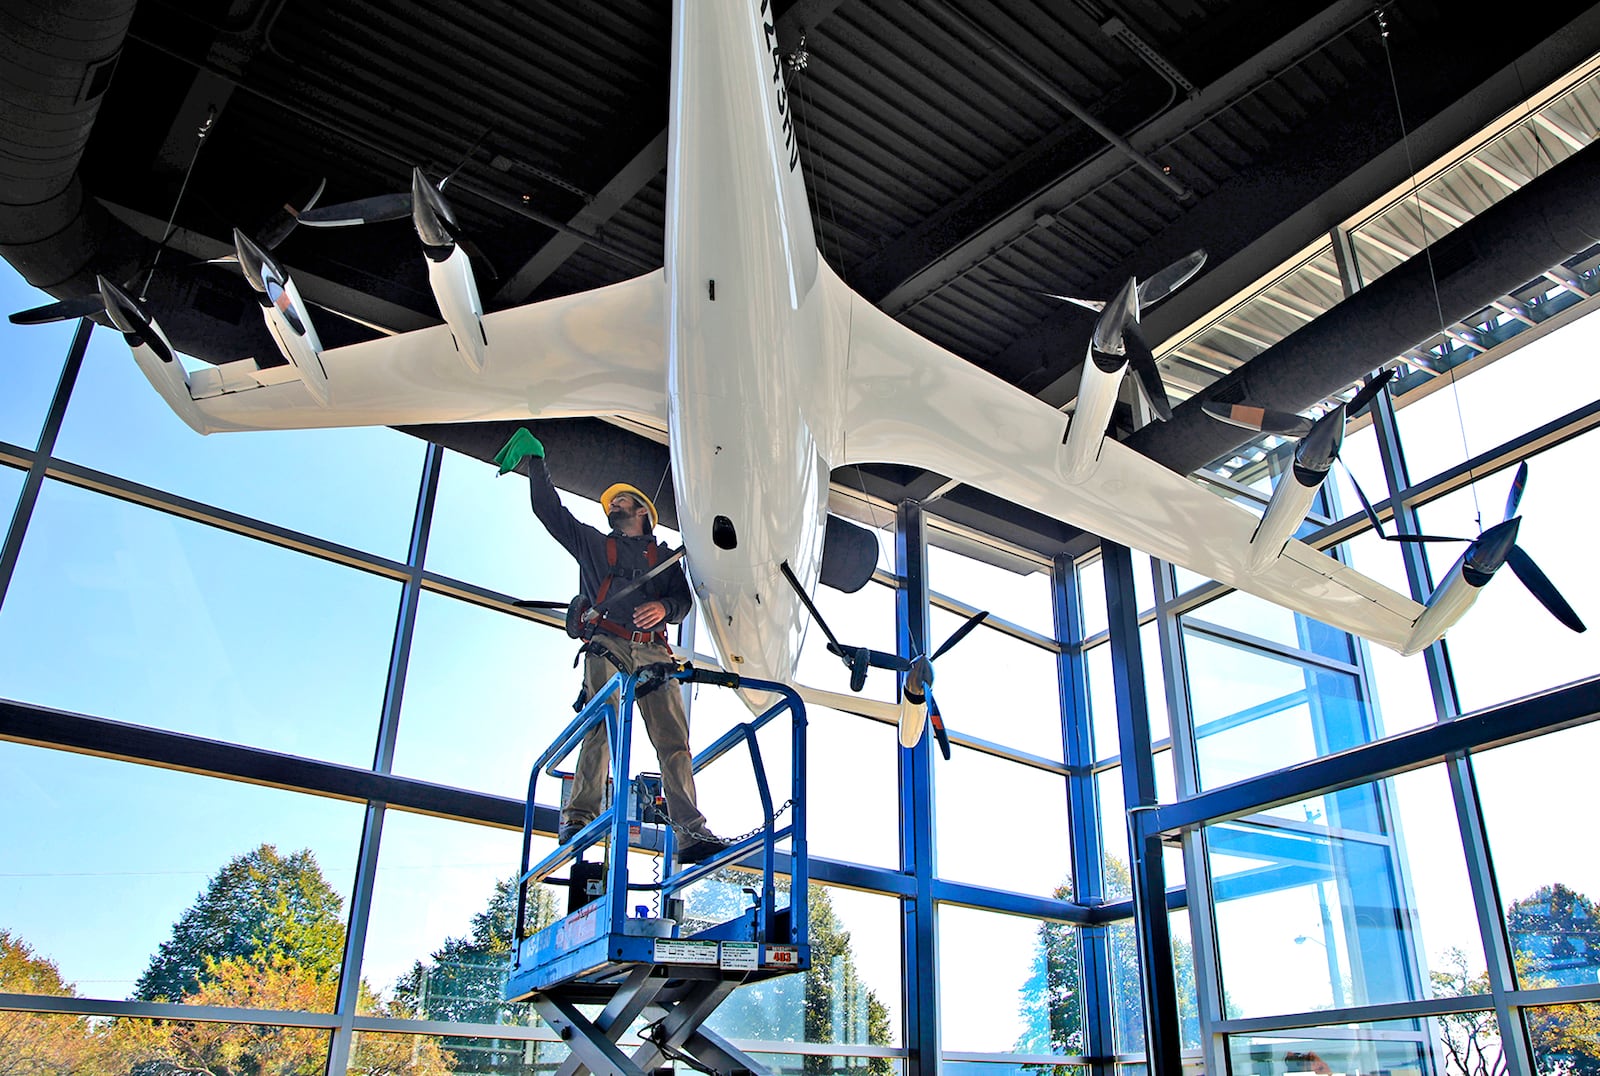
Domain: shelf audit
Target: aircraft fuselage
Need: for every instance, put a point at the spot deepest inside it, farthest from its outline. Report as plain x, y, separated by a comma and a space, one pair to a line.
756, 337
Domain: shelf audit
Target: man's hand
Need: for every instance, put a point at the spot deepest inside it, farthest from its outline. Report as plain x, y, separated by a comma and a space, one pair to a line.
649, 615
522, 444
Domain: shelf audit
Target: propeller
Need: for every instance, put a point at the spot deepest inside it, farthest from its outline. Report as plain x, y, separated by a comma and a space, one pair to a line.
1522, 565
1287, 423
272, 233
425, 203
917, 688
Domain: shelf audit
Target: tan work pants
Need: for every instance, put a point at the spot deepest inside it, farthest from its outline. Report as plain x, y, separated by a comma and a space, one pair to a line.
664, 720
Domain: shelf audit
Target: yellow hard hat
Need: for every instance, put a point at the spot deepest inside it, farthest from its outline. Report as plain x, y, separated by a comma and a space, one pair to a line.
634, 492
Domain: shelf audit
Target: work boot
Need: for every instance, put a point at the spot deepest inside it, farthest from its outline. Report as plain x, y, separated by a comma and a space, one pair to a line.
568, 831
699, 846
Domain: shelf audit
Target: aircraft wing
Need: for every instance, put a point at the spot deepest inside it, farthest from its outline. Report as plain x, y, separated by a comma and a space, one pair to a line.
601, 352
910, 401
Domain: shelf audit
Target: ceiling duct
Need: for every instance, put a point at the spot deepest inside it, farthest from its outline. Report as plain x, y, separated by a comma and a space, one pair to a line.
1546, 222
57, 58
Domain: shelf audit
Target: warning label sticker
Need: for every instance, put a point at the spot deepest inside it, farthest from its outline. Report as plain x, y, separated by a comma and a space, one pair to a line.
740, 956
783, 956
673, 951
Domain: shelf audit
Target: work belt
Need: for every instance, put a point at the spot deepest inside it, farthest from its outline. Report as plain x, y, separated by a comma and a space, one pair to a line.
611, 627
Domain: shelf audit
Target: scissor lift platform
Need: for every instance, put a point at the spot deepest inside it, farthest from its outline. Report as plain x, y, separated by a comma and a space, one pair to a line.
642, 967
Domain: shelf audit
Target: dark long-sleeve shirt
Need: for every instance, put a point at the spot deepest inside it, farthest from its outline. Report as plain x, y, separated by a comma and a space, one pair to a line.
588, 547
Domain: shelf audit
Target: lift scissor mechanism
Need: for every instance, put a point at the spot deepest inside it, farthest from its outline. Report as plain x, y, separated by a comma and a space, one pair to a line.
643, 965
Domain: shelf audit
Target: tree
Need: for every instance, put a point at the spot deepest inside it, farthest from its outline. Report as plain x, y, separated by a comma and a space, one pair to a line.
1471, 1039
260, 905
266, 933
464, 979
826, 1004
39, 1044
1555, 941
1050, 999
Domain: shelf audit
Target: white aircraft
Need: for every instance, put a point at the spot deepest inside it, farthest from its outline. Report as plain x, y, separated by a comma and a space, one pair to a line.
766, 372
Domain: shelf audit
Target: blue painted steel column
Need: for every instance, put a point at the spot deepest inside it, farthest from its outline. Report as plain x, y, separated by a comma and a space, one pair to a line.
1083, 815
919, 924
1163, 1047
42, 453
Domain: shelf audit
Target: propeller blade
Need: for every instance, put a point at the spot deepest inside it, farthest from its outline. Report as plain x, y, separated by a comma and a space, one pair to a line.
960, 633
805, 599
281, 223
380, 207
1260, 419
1170, 279
1540, 587
534, 603
1369, 391
1143, 363
939, 734
1421, 538
1366, 505
1096, 305
1514, 498
82, 306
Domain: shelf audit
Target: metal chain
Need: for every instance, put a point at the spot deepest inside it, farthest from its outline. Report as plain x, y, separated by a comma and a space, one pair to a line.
683, 832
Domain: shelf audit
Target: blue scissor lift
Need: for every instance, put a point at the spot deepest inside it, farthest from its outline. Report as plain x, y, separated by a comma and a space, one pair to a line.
633, 967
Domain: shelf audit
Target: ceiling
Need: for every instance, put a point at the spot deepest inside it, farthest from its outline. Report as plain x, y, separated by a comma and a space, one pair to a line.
961, 154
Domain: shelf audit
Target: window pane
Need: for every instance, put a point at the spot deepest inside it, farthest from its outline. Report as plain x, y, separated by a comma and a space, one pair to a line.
430, 1055
843, 751
998, 688
1118, 883
1507, 645
1261, 618
1537, 796
484, 532
1021, 599
486, 693
46, 1043
438, 939
190, 628
1092, 596
1255, 712
34, 355
850, 995
1317, 915
1020, 841
1441, 1046
103, 860
1009, 984
1565, 1038
11, 481
357, 487
865, 618
1501, 401
1127, 998
1102, 703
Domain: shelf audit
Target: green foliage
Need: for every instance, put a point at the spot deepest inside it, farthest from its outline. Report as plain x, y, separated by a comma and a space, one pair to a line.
463, 979
259, 906
1051, 998
827, 1004
1555, 941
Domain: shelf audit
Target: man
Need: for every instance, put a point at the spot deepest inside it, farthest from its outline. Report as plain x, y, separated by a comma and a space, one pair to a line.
632, 629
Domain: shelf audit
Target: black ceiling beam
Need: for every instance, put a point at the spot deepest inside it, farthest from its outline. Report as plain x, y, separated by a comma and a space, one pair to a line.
1550, 219
1307, 185
1073, 160
630, 179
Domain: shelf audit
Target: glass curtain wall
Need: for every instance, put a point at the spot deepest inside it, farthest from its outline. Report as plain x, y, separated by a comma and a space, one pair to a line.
269, 712
273, 710
1441, 920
